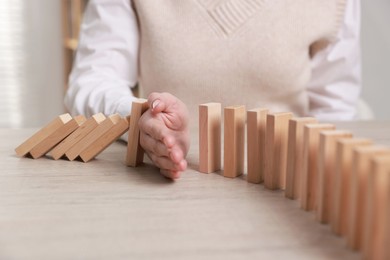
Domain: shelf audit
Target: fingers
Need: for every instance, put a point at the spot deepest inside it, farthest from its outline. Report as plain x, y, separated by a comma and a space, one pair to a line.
167, 164
152, 127
152, 145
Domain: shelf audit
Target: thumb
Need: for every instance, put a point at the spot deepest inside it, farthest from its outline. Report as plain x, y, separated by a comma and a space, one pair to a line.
161, 102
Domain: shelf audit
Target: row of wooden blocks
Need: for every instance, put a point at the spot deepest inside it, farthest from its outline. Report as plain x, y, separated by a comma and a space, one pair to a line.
344, 180
78, 137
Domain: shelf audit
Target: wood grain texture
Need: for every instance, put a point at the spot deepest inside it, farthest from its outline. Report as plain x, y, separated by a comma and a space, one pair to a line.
56, 137
295, 161
377, 215
42, 134
341, 194
105, 210
358, 190
92, 137
234, 141
326, 171
121, 125
135, 153
276, 150
309, 176
210, 117
256, 127
75, 137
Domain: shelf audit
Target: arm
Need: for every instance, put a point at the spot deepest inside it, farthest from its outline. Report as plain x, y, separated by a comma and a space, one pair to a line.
336, 80
105, 67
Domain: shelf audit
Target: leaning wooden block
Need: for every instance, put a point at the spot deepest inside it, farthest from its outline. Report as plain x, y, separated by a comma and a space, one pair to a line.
326, 171
121, 125
77, 136
276, 150
256, 126
358, 191
377, 214
56, 137
210, 116
135, 153
309, 178
42, 134
340, 205
92, 137
295, 155
234, 141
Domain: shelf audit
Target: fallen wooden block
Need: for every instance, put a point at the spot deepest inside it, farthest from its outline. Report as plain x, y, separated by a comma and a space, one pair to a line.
326, 171
256, 127
75, 137
51, 135
276, 150
42, 134
120, 126
234, 141
92, 137
135, 153
295, 155
341, 192
377, 214
210, 116
309, 178
358, 190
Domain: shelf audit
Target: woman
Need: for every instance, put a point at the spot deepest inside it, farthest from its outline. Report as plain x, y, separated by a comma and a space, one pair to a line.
287, 55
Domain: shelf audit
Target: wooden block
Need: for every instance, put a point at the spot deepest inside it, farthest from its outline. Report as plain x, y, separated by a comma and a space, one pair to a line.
121, 125
295, 155
234, 141
358, 191
135, 153
377, 214
56, 137
276, 150
256, 126
309, 176
42, 134
92, 137
77, 136
210, 116
326, 171
343, 171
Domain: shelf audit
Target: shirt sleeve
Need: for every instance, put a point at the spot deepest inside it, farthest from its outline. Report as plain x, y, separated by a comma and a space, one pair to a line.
105, 66
335, 86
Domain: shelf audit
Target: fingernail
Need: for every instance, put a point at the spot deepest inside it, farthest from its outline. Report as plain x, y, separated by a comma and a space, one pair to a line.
155, 103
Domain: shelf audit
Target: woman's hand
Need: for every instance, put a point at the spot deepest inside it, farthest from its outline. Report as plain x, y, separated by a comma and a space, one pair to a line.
164, 133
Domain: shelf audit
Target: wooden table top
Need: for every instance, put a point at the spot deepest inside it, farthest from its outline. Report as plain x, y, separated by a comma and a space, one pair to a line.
105, 210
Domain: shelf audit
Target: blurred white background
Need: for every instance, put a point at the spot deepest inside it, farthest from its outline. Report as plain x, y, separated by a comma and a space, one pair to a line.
31, 62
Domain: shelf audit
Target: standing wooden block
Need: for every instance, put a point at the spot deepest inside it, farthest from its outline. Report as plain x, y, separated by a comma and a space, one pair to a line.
326, 171
377, 214
92, 137
56, 137
309, 178
210, 137
256, 126
42, 134
135, 153
120, 126
276, 150
358, 191
234, 141
295, 155
77, 136
341, 201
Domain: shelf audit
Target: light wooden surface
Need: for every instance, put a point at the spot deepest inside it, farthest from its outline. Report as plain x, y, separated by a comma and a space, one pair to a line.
104, 210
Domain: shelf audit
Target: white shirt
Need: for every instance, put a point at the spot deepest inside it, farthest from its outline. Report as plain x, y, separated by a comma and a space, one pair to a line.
106, 64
